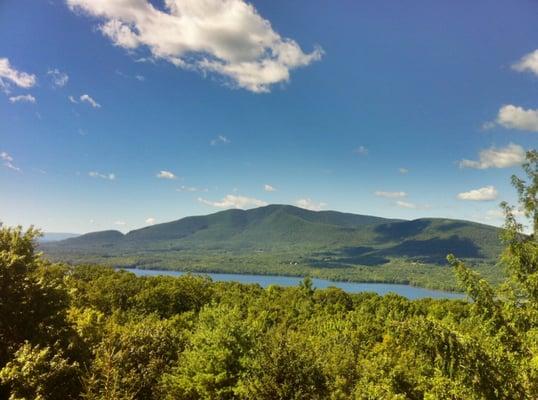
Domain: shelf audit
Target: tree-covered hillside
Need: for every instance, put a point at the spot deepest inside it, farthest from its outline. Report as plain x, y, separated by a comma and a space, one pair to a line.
281, 239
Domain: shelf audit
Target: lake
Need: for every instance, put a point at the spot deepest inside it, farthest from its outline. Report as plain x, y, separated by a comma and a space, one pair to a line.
411, 292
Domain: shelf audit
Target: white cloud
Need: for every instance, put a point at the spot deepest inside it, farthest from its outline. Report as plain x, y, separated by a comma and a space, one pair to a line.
120, 223
403, 171
150, 221
86, 98
8, 75
221, 139
405, 204
513, 117
191, 189
233, 201
140, 78
412, 206
361, 151
226, 37
72, 99
8, 161
528, 62
26, 98
109, 176
269, 188
308, 204
486, 193
390, 195
166, 175
502, 157
58, 78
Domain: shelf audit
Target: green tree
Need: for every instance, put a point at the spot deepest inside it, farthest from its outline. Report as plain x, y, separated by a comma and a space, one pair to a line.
41, 373
131, 358
213, 361
33, 309
282, 367
505, 324
528, 190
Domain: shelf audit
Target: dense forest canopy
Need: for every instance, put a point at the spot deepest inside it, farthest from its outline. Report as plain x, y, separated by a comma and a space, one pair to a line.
92, 332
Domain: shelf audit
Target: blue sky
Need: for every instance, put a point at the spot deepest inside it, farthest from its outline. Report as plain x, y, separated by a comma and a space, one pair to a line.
115, 116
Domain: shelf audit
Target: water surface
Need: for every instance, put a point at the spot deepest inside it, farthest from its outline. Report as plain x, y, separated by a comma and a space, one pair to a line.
411, 292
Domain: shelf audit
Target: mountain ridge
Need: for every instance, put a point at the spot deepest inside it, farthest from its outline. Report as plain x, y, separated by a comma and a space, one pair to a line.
287, 240
272, 226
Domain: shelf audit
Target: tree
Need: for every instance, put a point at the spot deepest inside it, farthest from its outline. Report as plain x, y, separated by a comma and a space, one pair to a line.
282, 367
212, 363
33, 304
506, 320
528, 190
41, 374
132, 357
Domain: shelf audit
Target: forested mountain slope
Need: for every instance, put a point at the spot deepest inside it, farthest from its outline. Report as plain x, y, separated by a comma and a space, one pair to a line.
287, 240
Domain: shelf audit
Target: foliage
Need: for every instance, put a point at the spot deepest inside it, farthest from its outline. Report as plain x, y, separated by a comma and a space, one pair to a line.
41, 373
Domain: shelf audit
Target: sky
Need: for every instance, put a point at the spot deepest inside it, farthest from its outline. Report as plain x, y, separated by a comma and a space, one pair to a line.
118, 114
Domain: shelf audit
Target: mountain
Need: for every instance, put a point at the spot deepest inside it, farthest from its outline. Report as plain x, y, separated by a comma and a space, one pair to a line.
321, 238
56, 236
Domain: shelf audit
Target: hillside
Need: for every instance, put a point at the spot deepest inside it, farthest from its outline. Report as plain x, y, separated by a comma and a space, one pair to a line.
288, 240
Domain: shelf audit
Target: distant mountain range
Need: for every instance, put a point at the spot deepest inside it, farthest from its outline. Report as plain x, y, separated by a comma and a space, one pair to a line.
329, 237
56, 236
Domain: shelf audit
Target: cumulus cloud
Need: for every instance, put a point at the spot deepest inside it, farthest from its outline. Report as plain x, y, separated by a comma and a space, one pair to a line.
390, 195
109, 176
23, 98
72, 99
166, 175
486, 193
361, 151
221, 139
529, 62
7, 161
233, 201
150, 221
308, 204
225, 37
502, 157
9, 75
269, 188
513, 117
58, 78
88, 99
